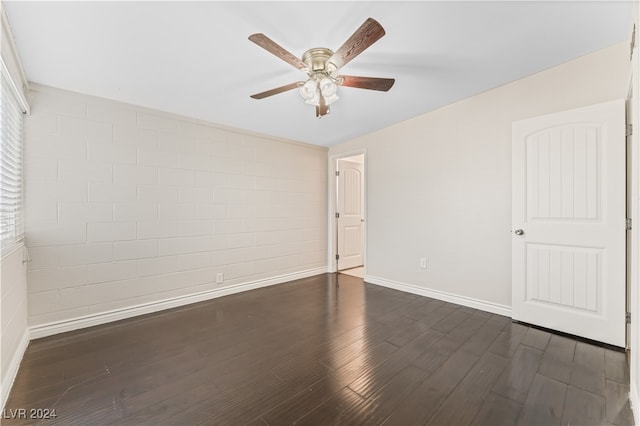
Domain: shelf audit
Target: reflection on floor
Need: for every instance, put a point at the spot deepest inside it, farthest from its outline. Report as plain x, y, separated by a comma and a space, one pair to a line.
323, 350
354, 272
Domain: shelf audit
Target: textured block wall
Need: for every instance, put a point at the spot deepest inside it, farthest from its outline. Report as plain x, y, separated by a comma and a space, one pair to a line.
126, 206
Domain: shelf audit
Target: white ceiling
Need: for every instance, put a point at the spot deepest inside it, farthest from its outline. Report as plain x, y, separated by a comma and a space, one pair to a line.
194, 58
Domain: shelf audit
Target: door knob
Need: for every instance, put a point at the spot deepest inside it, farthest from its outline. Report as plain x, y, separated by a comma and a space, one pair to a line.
518, 232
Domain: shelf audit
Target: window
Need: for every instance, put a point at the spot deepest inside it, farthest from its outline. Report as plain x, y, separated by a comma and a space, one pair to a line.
11, 222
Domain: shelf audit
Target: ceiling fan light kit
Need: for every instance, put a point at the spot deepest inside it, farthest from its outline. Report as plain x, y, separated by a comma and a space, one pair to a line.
320, 64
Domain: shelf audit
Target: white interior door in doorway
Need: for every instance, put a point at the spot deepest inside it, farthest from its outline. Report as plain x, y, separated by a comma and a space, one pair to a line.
350, 214
568, 222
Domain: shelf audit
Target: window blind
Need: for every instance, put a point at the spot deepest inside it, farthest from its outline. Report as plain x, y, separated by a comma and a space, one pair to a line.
11, 122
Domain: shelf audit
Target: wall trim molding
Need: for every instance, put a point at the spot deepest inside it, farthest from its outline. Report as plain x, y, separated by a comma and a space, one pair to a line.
14, 365
49, 329
482, 305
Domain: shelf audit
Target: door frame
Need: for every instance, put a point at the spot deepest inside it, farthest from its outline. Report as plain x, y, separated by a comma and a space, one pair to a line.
332, 224
632, 236
633, 283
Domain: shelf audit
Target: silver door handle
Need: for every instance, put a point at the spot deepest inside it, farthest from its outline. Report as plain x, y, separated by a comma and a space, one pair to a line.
518, 232
361, 220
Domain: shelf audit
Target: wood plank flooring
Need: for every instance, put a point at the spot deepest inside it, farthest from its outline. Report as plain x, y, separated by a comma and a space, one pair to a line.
323, 350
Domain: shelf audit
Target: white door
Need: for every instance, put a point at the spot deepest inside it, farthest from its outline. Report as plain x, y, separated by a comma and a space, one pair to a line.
350, 214
568, 222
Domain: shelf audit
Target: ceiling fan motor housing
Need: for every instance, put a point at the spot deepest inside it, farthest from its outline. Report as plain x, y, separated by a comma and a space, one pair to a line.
317, 59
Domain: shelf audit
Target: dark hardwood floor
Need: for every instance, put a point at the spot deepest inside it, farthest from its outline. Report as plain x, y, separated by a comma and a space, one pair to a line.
318, 351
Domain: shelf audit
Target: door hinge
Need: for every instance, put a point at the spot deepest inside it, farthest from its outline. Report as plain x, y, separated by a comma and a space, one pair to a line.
337, 215
628, 223
337, 257
627, 318
337, 173
629, 130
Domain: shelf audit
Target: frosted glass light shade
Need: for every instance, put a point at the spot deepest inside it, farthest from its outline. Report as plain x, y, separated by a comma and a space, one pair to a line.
312, 89
328, 87
309, 90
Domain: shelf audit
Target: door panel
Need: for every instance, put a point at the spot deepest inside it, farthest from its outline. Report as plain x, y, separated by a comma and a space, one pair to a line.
564, 276
563, 165
569, 201
351, 209
352, 242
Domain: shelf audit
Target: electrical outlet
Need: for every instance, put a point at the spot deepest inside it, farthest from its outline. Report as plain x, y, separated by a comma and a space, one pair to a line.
219, 277
423, 262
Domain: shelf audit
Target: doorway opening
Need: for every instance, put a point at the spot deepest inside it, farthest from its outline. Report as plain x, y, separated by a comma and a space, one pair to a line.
349, 216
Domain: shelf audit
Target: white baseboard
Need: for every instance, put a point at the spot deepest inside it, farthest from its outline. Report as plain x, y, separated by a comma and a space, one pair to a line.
14, 365
482, 305
634, 397
52, 328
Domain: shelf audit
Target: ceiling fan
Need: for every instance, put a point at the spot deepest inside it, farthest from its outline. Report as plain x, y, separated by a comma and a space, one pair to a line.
321, 65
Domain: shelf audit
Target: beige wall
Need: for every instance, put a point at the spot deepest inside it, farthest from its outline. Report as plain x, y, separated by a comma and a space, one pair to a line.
439, 185
14, 335
130, 210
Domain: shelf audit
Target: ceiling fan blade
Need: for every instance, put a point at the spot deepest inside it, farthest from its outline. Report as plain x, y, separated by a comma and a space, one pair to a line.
322, 108
368, 33
277, 90
271, 46
371, 83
